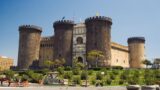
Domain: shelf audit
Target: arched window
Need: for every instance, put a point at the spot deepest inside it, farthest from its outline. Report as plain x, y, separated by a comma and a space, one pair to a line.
79, 40
80, 59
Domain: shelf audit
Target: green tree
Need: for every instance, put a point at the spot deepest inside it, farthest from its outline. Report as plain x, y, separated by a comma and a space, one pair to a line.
147, 63
59, 62
77, 64
49, 64
9, 75
94, 56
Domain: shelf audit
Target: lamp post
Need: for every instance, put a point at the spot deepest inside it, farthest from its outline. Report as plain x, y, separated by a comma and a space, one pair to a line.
86, 72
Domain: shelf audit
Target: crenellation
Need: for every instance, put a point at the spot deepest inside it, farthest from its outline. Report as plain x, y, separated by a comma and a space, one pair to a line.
29, 27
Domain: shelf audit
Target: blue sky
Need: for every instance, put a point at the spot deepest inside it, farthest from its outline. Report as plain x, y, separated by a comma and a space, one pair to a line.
130, 18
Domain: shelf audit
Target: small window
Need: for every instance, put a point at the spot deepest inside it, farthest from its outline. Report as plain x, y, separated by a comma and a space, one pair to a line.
117, 60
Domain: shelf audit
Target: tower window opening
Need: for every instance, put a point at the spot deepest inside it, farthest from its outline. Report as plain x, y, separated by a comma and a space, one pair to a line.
79, 40
80, 59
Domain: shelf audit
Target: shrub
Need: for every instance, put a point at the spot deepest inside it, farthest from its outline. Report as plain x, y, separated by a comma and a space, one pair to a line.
60, 70
99, 83
44, 71
115, 72
67, 68
36, 77
103, 69
123, 77
133, 80
149, 81
108, 82
90, 72
83, 75
112, 77
136, 73
108, 68
29, 73
117, 67
99, 76
77, 80
93, 81
25, 78
157, 74
76, 71
149, 77
67, 75
96, 69
121, 82
9, 74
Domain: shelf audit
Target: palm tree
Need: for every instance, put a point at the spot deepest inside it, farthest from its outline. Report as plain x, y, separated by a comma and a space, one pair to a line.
49, 63
147, 62
59, 62
95, 55
78, 64
9, 75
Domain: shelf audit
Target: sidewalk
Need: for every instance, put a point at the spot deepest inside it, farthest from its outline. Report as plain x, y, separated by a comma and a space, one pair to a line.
64, 88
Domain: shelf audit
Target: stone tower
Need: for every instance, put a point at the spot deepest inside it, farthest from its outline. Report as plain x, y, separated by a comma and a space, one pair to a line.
136, 51
63, 40
98, 37
29, 45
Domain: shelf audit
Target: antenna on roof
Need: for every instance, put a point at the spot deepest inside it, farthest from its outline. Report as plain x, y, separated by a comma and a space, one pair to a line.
74, 16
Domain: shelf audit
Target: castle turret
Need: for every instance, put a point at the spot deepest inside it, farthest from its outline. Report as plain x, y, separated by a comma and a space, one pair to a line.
136, 51
29, 45
98, 37
63, 40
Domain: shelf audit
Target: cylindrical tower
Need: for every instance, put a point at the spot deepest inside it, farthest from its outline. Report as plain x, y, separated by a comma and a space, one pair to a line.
29, 45
99, 37
136, 51
63, 40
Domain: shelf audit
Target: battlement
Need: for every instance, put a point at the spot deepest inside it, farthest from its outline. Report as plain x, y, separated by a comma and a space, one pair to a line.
63, 22
30, 27
46, 38
103, 18
136, 39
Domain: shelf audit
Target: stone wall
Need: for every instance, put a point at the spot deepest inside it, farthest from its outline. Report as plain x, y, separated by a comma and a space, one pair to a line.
120, 55
79, 42
29, 45
46, 50
99, 37
137, 51
63, 40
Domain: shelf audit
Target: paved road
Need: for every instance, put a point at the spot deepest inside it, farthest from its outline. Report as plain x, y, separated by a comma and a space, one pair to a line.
64, 88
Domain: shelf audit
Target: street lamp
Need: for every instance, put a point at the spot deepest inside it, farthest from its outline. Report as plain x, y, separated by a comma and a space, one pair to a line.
86, 72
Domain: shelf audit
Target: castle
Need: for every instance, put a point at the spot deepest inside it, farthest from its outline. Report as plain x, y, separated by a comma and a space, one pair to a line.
72, 40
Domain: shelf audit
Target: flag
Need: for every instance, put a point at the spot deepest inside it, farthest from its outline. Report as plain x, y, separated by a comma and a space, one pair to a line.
63, 18
97, 14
